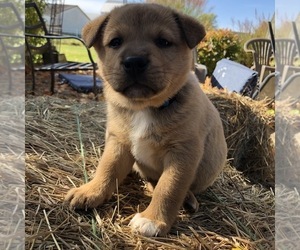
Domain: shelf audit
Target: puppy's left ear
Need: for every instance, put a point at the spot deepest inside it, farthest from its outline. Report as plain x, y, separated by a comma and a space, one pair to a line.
192, 31
93, 30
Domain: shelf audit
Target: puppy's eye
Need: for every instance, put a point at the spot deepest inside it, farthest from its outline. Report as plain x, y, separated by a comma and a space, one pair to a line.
115, 43
163, 43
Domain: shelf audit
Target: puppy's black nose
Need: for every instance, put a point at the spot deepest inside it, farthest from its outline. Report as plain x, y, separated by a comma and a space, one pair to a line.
135, 64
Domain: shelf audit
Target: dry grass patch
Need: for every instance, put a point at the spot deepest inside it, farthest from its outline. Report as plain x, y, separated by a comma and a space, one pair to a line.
64, 141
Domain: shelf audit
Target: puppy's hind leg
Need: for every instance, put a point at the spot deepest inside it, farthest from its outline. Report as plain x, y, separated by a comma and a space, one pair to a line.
211, 165
191, 203
146, 174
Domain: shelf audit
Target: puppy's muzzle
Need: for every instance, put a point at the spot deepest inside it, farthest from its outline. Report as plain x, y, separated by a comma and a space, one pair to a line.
135, 82
135, 65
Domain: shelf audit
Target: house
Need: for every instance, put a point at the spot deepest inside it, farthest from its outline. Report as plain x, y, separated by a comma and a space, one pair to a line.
70, 19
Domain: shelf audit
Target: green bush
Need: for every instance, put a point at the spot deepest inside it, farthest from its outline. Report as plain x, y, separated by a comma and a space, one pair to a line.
219, 44
30, 19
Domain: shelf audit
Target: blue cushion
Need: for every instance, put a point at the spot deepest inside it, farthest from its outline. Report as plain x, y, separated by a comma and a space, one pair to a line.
234, 77
81, 83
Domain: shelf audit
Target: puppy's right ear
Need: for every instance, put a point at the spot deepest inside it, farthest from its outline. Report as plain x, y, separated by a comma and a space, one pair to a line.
93, 30
192, 31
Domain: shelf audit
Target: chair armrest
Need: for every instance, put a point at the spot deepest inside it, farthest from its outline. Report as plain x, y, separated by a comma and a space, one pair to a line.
53, 36
286, 70
246, 49
264, 70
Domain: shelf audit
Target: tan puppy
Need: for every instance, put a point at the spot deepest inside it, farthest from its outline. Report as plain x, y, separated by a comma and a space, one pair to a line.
158, 119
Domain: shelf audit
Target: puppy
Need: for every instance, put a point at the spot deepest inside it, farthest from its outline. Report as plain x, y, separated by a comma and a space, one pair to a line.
159, 122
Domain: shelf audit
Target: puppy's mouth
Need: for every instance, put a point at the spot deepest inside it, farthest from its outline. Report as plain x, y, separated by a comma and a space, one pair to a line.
136, 79
137, 90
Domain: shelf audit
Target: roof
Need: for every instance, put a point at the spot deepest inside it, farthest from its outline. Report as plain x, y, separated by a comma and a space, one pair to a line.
64, 8
60, 7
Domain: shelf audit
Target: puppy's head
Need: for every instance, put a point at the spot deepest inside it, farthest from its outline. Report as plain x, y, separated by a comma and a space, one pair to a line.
145, 52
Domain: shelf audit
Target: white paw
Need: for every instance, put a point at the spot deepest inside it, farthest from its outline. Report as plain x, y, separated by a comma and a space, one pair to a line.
144, 226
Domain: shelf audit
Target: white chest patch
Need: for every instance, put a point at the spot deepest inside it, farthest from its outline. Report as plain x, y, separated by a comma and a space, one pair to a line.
142, 149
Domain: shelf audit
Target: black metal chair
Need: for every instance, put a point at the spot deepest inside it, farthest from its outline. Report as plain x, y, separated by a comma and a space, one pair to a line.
45, 49
12, 42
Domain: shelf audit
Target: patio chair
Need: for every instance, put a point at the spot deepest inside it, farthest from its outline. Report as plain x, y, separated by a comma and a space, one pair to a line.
290, 88
290, 69
286, 52
11, 42
46, 49
266, 88
262, 52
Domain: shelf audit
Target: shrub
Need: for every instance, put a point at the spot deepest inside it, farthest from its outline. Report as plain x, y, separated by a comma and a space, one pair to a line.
219, 44
30, 19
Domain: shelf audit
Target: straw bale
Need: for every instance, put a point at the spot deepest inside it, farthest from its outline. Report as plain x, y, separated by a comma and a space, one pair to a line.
64, 141
248, 126
287, 143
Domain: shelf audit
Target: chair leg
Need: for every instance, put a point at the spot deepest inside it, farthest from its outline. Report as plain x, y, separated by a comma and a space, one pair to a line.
33, 80
95, 83
52, 81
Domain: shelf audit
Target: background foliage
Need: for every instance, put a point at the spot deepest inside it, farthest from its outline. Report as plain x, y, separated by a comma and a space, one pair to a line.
218, 44
223, 43
30, 19
194, 8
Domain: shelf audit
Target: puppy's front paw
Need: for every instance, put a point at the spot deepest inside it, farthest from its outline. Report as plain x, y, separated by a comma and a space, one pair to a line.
86, 196
147, 227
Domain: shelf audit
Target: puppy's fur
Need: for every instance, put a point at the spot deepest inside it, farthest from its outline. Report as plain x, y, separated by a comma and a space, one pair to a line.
159, 122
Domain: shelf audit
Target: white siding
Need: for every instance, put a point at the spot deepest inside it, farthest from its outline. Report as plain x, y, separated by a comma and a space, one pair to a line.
73, 21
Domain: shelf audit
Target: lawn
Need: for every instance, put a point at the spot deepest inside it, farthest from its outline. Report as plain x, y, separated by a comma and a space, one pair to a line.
75, 51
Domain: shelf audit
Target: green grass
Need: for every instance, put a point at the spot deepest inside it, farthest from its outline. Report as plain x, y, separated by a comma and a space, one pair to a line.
75, 51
